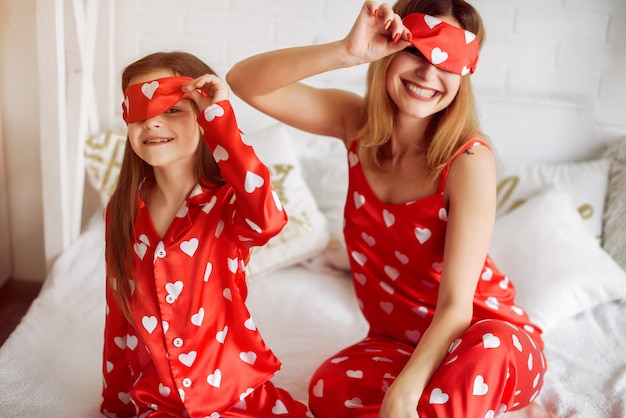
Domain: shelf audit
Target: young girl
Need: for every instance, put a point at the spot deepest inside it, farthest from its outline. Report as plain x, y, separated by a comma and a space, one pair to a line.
446, 338
179, 340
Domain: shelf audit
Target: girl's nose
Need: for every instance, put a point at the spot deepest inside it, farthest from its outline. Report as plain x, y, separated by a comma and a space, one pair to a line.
153, 122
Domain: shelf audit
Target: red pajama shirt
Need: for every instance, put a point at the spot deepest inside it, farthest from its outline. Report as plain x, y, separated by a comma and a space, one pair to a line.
396, 254
194, 349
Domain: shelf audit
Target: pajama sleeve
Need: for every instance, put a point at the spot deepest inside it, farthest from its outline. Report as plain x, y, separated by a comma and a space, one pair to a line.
257, 213
115, 371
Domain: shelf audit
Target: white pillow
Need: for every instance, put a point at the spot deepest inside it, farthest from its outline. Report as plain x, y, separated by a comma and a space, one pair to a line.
306, 232
586, 182
554, 261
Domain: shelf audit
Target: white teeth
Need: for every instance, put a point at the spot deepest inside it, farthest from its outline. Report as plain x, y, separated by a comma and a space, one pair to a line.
157, 140
421, 92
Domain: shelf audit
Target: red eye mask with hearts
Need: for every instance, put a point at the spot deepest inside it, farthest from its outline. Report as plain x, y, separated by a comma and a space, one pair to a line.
145, 100
445, 46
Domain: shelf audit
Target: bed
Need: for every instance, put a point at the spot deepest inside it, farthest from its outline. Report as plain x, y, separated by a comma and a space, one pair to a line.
559, 236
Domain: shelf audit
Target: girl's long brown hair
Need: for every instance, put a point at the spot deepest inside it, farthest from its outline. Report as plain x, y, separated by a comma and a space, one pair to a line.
450, 128
122, 207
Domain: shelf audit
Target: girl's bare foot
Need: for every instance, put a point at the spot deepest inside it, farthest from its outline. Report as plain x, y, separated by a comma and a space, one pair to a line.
533, 410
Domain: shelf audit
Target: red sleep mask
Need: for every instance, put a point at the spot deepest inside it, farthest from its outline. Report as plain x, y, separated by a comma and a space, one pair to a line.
445, 46
145, 100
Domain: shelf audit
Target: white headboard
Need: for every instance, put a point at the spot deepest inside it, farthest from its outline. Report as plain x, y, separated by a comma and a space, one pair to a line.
527, 128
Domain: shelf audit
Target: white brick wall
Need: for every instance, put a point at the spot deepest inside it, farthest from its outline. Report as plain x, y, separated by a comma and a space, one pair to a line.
555, 48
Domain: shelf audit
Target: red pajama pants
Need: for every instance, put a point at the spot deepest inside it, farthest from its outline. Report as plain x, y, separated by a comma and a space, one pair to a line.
492, 368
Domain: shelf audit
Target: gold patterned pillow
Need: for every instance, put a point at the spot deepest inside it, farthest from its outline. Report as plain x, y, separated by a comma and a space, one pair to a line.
585, 182
103, 158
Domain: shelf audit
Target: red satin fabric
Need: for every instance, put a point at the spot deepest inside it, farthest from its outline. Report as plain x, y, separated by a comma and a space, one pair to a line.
396, 255
145, 100
194, 350
445, 46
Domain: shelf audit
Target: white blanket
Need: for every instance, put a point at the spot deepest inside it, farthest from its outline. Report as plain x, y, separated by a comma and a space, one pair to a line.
50, 366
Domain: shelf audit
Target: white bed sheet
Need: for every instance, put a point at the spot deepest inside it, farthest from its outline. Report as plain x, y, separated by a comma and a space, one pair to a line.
50, 365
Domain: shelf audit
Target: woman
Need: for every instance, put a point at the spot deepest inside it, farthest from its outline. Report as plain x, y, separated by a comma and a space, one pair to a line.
446, 338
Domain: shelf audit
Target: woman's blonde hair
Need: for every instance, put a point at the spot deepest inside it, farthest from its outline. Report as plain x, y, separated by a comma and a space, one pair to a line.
450, 128
122, 207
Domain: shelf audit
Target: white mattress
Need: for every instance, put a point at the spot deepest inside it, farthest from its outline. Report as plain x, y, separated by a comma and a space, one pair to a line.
50, 366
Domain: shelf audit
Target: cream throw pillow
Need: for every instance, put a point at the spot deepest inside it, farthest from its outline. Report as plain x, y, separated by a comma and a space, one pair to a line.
553, 259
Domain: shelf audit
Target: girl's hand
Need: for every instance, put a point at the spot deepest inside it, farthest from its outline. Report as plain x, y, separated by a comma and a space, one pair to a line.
376, 33
214, 89
399, 402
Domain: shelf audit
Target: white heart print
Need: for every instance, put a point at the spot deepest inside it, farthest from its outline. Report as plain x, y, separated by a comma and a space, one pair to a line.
189, 247
279, 408
480, 387
318, 389
422, 234
198, 317
206, 208
233, 264
221, 335
469, 37
359, 200
132, 341
389, 218
149, 323
148, 89
438, 397
387, 288
491, 341
403, 258
252, 182
164, 390
438, 56
431, 21
249, 324
215, 379
207, 271
391, 272
140, 249
187, 358
173, 291
352, 159
220, 154
248, 357
213, 111
354, 403
254, 226
359, 257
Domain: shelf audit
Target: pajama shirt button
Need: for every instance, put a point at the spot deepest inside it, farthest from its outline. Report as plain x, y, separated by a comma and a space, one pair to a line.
178, 342
186, 382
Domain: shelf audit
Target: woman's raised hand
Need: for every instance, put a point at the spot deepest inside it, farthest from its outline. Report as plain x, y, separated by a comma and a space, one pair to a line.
213, 88
377, 32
